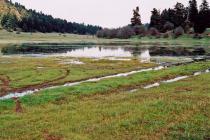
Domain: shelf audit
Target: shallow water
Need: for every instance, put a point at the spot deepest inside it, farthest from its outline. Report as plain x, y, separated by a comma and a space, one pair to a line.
160, 53
174, 79
152, 85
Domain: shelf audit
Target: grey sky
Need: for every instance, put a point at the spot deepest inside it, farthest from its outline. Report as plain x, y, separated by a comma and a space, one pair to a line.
106, 13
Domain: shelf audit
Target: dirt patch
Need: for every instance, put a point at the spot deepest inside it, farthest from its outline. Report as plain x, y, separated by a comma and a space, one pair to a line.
18, 107
183, 89
48, 136
4, 85
32, 87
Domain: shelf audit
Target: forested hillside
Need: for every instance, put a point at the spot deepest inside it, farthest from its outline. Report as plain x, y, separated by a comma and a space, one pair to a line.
14, 16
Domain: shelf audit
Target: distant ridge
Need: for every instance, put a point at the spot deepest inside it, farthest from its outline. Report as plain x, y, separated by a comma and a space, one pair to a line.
14, 16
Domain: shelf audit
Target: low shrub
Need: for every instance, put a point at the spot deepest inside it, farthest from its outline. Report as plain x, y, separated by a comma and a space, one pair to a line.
168, 26
140, 30
18, 32
179, 31
165, 35
153, 32
125, 32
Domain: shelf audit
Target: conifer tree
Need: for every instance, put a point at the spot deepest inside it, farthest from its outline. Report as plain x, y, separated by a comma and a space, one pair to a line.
193, 11
203, 18
136, 19
180, 14
155, 19
204, 6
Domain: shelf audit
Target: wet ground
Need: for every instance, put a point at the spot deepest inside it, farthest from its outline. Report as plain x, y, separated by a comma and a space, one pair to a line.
163, 56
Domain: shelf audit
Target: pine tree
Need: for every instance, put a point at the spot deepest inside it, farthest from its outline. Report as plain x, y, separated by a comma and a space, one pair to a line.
193, 11
204, 6
203, 18
9, 21
180, 14
156, 19
136, 19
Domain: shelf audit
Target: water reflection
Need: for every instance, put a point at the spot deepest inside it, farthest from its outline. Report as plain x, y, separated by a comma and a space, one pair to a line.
98, 52
105, 52
145, 54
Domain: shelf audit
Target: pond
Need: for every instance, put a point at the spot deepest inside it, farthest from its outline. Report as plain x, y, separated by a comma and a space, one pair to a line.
144, 53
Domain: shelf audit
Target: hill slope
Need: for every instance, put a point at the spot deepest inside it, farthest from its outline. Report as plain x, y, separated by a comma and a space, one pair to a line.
14, 16
7, 7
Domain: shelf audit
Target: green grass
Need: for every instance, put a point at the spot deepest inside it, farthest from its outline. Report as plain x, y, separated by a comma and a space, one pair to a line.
104, 109
26, 71
13, 38
178, 110
114, 84
185, 41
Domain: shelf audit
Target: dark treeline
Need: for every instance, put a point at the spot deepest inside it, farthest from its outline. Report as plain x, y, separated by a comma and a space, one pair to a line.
34, 21
173, 21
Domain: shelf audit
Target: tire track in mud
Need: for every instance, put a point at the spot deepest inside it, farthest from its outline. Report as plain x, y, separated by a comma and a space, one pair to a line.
35, 86
4, 85
52, 83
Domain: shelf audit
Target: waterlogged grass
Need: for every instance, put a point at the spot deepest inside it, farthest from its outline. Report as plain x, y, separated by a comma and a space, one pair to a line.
27, 71
178, 110
110, 85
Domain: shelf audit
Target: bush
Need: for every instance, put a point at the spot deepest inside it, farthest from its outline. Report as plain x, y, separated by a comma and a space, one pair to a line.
178, 31
18, 32
125, 32
107, 33
197, 36
112, 33
166, 35
153, 32
168, 26
100, 34
139, 30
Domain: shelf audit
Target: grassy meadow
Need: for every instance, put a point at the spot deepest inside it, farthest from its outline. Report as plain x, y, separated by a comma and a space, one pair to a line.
62, 80
22, 72
13, 38
108, 110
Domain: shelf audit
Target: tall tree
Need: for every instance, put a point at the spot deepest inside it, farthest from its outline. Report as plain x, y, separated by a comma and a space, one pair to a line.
136, 19
180, 14
204, 6
203, 20
193, 11
156, 19
167, 15
9, 21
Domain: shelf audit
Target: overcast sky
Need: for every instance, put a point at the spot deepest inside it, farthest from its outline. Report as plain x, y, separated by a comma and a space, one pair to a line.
106, 13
